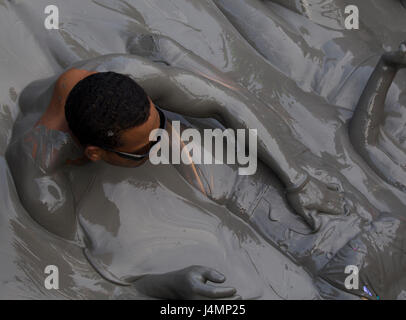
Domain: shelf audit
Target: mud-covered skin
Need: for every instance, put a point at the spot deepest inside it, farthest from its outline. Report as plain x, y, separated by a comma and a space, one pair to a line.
381, 152
322, 57
198, 95
188, 283
134, 62
51, 158
243, 208
37, 160
332, 71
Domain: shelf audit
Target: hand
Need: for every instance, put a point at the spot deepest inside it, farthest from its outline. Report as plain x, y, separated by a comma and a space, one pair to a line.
397, 58
188, 283
191, 283
313, 198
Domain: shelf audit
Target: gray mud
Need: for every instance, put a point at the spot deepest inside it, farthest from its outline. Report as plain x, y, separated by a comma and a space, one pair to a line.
296, 60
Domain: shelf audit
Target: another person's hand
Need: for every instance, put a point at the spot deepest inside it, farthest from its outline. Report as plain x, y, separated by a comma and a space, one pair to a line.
396, 58
313, 198
188, 283
191, 283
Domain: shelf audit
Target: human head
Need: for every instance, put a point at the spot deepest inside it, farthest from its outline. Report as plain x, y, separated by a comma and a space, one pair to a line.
108, 110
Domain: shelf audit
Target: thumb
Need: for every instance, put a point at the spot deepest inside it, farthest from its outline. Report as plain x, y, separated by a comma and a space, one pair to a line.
312, 219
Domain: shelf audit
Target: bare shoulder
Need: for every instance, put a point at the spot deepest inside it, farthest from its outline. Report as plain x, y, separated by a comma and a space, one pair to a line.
51, 133
54, 116
69, 79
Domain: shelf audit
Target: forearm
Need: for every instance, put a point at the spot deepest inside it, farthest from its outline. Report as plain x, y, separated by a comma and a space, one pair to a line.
365, 131
157, 285
369, 113
152, 285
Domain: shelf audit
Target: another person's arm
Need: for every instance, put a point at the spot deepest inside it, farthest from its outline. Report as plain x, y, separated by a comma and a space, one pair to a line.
365, 128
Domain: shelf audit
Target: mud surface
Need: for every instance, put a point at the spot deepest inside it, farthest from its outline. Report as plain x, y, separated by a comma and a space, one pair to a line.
297, 61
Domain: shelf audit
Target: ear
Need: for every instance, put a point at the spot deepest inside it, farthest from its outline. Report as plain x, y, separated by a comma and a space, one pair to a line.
94, 153
150, 102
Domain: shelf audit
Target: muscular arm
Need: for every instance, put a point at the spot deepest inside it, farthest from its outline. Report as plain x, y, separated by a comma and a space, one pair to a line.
365, 128
46, 195
37, 159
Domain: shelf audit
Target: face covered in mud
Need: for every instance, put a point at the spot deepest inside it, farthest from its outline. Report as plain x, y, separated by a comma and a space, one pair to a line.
112, 117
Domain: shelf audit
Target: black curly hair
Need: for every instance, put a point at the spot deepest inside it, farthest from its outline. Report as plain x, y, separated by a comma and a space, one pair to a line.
103, 105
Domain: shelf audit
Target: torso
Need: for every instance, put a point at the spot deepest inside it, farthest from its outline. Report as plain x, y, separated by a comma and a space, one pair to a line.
156, 218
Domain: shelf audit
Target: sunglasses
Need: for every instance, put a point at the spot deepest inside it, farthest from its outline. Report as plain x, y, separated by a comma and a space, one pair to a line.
138, 157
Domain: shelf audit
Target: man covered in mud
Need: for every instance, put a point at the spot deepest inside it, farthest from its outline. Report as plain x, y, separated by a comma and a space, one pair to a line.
39, 159
108, 116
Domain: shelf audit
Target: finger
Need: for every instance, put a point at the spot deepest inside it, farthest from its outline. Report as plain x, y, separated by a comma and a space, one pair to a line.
310, 216
348, 207
334, 187
211, 291
313, 220
214, 276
